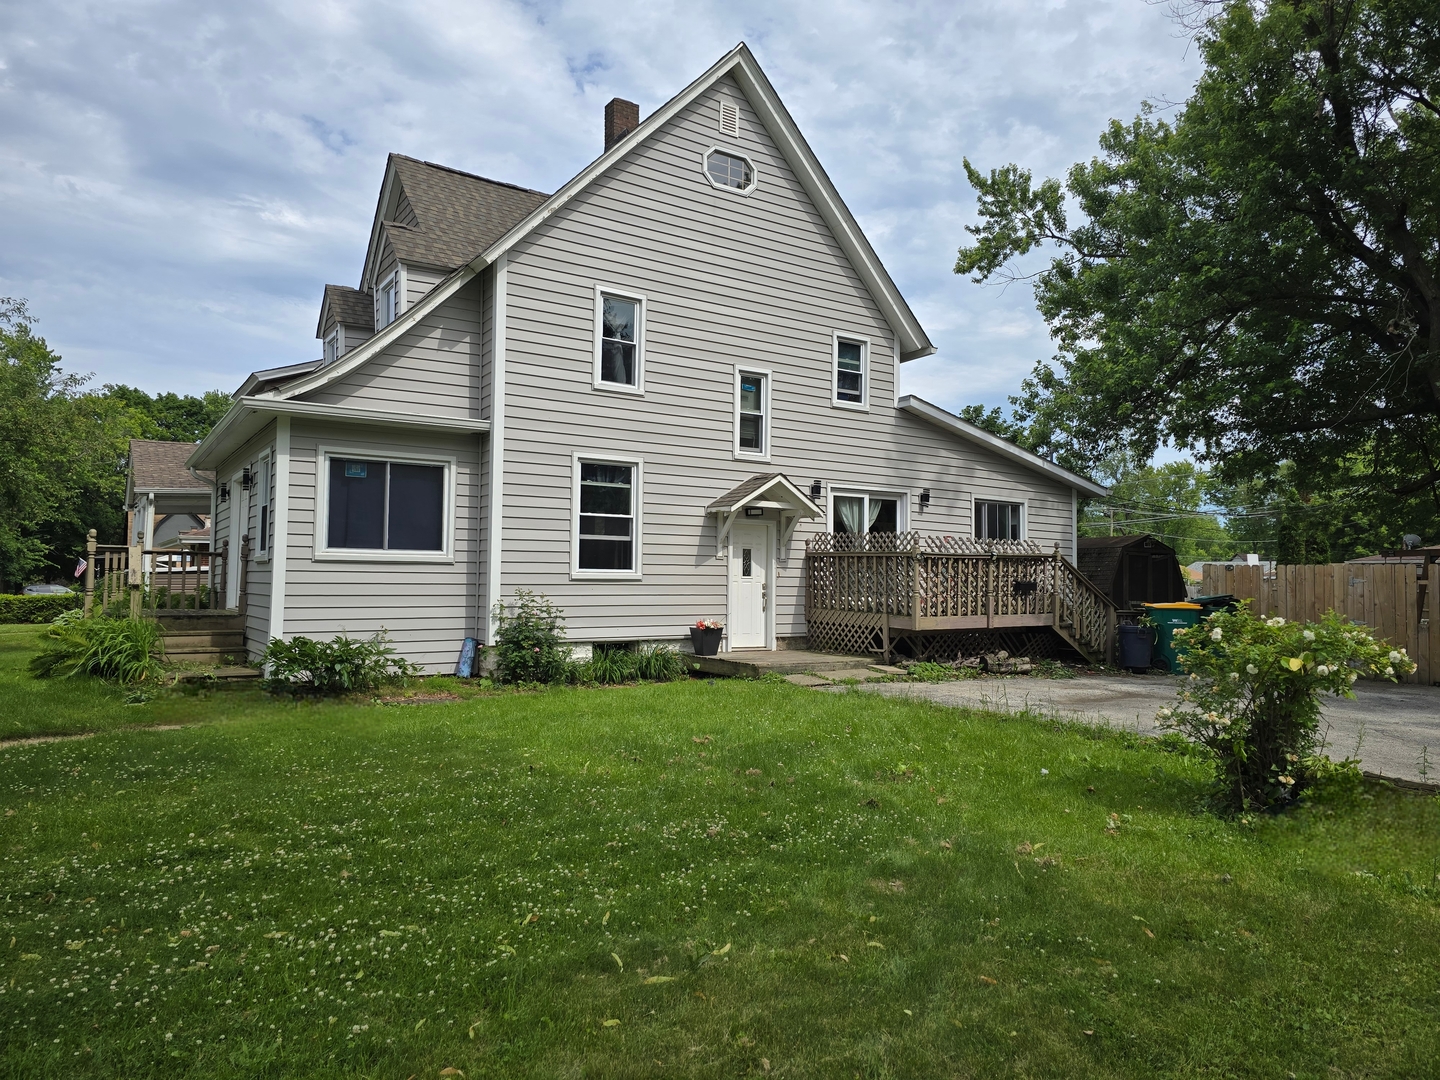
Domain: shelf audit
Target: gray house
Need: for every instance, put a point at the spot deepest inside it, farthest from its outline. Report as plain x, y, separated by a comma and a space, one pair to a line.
638, 395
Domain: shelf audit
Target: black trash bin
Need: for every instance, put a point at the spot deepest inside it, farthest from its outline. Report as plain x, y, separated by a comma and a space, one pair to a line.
1209, 605
1136, 644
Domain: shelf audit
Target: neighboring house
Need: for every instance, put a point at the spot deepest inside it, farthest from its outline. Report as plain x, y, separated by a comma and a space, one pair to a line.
165, 503
638, 396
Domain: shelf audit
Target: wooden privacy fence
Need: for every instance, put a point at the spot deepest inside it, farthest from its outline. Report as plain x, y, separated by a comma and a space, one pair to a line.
1399, 601
862, 592
139, 582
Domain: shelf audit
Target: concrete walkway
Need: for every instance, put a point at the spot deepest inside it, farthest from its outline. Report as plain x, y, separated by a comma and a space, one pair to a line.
1386, 726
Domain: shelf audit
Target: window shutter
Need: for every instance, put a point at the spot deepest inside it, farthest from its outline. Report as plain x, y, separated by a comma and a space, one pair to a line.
729, 120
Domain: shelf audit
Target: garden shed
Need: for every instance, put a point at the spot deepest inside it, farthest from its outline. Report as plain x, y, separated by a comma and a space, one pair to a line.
1132, 570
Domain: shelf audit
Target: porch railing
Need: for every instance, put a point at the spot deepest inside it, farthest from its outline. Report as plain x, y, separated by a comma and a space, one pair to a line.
863, 591
141, 582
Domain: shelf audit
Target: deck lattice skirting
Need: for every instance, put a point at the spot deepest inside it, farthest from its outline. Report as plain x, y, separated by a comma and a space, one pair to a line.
865, 593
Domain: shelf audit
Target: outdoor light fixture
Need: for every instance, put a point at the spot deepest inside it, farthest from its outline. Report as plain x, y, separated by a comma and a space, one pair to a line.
924, 498
814, 489
224, 493
754, 511
246, 480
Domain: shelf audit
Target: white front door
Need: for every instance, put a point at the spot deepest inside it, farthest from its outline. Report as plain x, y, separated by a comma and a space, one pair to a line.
748, 623
236, 530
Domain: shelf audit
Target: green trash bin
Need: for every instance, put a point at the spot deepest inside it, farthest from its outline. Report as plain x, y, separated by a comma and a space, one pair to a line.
1167, 619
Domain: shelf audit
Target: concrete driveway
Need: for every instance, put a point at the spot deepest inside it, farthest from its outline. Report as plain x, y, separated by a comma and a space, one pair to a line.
1387, 726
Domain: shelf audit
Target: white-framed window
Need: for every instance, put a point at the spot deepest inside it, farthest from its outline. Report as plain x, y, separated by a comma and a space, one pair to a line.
729, 170
265, 480
389, 299
999, 520
858, 513
619, 340
850, 365
333, 344
753, 388
384, 506
607, 497
729, 119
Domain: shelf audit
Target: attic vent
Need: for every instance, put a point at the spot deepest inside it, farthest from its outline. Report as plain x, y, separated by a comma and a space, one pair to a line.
729, 120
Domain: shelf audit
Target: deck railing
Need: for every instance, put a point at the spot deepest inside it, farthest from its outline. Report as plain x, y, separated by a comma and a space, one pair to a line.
140, 582
863, 591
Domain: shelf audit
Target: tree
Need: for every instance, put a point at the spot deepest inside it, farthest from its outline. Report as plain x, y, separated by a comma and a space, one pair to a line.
170, 416
1257, 280
1172, 502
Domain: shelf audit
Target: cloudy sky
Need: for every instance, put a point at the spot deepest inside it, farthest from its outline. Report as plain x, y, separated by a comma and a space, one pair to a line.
180, 179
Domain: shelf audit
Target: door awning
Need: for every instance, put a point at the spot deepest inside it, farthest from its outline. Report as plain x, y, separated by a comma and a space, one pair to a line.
765, 491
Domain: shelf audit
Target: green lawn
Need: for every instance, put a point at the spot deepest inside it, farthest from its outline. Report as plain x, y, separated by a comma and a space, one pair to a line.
708, 879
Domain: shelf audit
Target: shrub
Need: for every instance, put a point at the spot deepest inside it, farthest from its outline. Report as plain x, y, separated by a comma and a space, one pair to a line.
1252, 697
611, 664
341, 665
122, 650
35, 609
530, 642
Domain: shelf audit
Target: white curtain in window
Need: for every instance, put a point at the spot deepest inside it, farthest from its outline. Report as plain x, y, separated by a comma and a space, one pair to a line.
848, 511
875, 506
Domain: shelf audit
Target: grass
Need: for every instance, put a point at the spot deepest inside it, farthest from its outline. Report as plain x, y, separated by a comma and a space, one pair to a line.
698, 879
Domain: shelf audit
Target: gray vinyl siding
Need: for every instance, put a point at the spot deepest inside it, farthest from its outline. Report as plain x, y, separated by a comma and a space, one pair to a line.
757, 281
419, 280
404, 212
427, 609
355, 336
434, 369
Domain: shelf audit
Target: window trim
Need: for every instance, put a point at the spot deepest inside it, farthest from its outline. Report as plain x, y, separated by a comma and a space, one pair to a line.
768, 405
319, 549
637, 507
337, 335
900, 495
1024, 504
397, 278
744, 193
637, 298
863, 405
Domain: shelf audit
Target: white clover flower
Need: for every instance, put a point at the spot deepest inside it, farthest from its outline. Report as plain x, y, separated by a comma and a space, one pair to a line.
1216, 635
1234, 676
1251, 669
1394, 657
1322, 671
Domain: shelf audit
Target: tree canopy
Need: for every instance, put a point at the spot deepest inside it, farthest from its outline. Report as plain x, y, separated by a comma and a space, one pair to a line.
64, 451
1256, 279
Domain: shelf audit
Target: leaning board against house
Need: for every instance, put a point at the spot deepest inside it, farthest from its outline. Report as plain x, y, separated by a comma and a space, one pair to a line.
638, 396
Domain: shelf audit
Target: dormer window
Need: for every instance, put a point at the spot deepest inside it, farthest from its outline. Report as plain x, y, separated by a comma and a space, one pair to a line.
388, 301
726, 170
332, 346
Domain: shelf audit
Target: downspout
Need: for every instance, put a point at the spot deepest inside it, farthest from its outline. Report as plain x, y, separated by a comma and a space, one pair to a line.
497, 453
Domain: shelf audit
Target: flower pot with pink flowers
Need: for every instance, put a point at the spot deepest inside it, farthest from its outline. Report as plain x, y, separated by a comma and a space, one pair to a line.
705, 636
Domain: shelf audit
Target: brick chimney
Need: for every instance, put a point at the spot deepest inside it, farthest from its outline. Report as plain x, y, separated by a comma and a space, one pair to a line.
621, 118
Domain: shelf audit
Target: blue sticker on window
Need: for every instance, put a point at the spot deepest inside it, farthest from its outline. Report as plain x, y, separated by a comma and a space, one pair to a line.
355, 468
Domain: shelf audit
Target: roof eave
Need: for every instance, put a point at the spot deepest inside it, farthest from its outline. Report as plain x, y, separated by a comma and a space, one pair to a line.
948, 421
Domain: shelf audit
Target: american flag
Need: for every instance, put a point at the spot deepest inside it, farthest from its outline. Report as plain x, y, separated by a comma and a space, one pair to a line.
80, 566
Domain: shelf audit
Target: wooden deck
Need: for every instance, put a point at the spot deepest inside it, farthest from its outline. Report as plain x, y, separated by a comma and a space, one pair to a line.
867, 593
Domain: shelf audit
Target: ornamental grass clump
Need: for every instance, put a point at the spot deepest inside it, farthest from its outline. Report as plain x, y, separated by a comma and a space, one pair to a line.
1252, 697
125, 651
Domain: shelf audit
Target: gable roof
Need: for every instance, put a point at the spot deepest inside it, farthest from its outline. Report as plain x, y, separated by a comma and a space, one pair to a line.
948, 421
160, 466
352, 307
740, 64
459, 214
748, 494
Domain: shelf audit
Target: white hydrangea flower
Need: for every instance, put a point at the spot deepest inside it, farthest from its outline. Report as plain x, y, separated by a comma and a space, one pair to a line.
1216, 635
1389, 670
1309, 635
1251, 669
1276, 621
1353, 676
1223, 722
1322, 671
1234, 676
1394, 657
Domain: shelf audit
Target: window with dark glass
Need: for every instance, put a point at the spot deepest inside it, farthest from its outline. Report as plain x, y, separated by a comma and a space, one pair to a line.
619, 320
385, 506
728, 170
607, 517
752, 413
849, 372
997, 521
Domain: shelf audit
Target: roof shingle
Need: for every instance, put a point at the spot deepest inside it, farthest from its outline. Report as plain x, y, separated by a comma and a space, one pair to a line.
160, 466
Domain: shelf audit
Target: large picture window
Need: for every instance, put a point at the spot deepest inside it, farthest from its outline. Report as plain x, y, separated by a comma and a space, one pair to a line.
607, 530
999, 520
379, 505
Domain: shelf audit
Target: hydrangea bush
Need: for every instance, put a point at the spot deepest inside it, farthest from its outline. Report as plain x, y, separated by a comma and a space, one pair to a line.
1252, 696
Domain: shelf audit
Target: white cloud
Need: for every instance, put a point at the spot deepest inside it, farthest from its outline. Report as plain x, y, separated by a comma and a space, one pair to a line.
182, 178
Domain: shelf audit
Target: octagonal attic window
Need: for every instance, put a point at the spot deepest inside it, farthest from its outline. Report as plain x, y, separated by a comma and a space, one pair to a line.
729, 171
